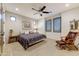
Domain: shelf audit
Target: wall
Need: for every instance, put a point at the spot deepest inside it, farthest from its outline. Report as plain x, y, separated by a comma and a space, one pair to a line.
15, 25
41, 24
0, 21
66, 16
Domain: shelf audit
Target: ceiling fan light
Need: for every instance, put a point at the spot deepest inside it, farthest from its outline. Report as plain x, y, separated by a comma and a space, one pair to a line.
40, 14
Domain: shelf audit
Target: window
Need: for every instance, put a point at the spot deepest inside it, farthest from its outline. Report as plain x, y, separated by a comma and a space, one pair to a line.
48, 25
57, 24
0, 16
13, 18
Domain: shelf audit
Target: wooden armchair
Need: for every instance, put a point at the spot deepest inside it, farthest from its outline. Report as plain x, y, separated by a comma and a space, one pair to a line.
67, 41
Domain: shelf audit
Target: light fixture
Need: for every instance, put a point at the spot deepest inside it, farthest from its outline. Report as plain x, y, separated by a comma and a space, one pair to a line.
13, 18
17, 9
67, 5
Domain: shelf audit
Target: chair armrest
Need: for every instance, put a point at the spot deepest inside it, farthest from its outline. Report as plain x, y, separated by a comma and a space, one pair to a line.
70, 41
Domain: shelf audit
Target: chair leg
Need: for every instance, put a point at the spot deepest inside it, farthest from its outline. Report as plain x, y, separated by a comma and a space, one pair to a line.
63, 47
71, 47
57, 44
76, 47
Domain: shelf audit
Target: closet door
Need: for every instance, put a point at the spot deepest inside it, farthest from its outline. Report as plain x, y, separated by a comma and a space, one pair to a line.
1, 29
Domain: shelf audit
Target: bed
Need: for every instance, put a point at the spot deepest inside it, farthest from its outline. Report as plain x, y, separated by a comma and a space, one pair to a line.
28, 39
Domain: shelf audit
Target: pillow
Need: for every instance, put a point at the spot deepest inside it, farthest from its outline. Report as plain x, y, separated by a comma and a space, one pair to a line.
30, 32
27, 32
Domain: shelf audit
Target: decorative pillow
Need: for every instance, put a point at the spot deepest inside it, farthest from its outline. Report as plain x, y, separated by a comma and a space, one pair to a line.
27, 32
30, 32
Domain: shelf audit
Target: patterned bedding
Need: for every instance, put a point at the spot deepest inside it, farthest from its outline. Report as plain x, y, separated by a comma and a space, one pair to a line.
26, 39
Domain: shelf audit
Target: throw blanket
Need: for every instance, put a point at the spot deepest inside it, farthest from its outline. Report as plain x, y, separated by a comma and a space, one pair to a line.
26, 39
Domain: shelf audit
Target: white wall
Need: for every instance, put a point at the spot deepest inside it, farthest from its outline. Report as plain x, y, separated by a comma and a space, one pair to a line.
67, 16
15, 25
41, 26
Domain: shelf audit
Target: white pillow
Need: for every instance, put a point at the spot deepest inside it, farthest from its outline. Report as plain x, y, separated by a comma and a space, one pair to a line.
26, 32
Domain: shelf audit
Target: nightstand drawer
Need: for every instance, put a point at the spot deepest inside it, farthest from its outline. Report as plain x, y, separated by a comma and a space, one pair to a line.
13, 39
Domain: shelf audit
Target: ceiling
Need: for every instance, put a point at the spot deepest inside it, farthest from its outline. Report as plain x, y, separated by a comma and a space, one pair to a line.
25, 9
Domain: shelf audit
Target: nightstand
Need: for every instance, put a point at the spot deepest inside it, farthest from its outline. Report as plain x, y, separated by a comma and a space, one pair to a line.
13, 39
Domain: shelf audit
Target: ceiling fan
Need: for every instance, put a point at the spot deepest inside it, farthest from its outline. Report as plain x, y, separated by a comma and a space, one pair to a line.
41, 11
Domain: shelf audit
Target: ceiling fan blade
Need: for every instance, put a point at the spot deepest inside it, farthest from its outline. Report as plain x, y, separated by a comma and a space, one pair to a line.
46, 12
34, 9
42, 8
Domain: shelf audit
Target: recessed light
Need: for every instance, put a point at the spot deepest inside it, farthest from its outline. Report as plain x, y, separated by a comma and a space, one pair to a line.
67, 5
17, 9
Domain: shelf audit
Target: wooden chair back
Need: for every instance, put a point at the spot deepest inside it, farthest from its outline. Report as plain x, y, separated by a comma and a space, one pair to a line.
70, 38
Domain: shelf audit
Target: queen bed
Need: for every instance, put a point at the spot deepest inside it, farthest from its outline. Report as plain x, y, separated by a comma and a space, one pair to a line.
28, 39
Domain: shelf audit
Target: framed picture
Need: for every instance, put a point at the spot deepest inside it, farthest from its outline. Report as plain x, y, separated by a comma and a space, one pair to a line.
74, 24
26, 25
57, 24
48, 25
